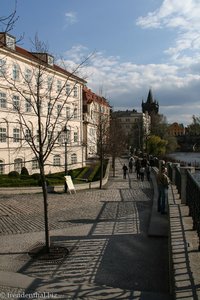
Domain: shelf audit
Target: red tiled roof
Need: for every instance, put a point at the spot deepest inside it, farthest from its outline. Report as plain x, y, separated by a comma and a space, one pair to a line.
57, 68
90, 96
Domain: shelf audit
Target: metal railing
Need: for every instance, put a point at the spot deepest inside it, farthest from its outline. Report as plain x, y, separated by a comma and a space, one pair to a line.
178, 179
193, 201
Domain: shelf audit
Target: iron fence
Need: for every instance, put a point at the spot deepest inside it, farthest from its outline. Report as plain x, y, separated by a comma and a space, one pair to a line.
193, 201
178, 179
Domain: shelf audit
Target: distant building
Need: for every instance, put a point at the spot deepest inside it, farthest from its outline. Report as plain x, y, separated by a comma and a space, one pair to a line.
135, 125
176, 129
151, 106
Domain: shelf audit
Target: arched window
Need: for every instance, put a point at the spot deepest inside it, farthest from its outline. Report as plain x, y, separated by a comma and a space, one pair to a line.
74, 158
56, 160
18, 164
2, 167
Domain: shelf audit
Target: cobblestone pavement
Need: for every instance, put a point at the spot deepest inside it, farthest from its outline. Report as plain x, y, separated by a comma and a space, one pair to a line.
105, 231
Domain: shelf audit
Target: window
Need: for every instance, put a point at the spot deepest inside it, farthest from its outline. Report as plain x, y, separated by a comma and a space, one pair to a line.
3, 103
75, 91
28, 105
102, 109
16, 135
59, 110
37, 136
2, 135
75, 113
35, 164
49, 136
60, 138
18, 164
15, 72
49, 83
50, 60
74, 158
16, 102
2, 167
75, 137
68, 112
27, 75
68, 89
49, 109
68, 136
56, 160
2, 67
59, 86
10, 42
27, 135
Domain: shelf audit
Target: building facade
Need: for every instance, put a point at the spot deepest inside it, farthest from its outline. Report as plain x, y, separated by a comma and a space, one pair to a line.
176, 129
135, 126
96, 115
40, 104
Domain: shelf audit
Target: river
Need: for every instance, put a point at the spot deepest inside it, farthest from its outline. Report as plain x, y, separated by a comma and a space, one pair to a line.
192, 158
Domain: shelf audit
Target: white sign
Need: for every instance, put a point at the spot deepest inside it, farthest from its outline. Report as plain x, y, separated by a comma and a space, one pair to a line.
70, 184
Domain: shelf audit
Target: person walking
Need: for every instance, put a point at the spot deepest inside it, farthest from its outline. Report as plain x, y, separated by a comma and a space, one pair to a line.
137, 168
163, 185
125, 169
130, 164
142, 170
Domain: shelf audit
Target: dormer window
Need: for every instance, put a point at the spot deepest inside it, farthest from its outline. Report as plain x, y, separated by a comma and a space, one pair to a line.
7, 40
47, 58
10, 42
50, 60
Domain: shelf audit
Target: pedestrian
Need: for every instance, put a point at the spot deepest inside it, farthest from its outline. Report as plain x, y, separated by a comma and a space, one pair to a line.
163, 185
125, 169
142, 170
130, 164
148, 171
137, 168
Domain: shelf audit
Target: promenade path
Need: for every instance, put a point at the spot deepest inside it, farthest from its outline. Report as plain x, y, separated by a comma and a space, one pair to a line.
111, 255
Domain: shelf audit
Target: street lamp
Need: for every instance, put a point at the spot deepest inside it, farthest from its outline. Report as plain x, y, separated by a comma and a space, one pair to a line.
65, 137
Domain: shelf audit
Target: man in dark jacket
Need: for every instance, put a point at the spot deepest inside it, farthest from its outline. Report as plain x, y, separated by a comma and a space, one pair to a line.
125, 169
163, 184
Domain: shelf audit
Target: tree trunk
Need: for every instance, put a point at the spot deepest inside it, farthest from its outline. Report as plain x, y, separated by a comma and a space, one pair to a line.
45, 199
113, 165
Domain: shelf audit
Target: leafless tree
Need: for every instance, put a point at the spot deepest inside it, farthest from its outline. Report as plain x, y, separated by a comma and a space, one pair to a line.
117, 141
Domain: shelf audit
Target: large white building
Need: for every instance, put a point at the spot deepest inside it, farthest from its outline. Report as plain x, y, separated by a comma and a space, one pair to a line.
36, 96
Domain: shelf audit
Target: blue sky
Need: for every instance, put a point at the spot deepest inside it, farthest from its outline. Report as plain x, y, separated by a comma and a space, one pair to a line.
137, 45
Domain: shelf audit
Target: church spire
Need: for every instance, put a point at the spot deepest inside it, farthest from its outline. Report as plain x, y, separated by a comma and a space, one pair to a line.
150, 97
150, 105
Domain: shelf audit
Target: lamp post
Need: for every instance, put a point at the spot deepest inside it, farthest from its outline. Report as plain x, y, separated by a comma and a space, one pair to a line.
65, 131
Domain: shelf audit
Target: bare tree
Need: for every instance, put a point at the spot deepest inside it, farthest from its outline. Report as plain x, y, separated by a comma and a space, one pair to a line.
47, 97
117, 141
102, 141
7, 22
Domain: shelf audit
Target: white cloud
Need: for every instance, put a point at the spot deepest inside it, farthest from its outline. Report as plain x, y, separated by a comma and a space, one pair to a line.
71, 17
126, 84
180, 15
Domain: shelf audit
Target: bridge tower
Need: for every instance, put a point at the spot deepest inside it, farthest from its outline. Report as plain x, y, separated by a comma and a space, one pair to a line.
151, 106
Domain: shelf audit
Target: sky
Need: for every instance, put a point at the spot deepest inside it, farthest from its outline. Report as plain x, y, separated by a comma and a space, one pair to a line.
133, 45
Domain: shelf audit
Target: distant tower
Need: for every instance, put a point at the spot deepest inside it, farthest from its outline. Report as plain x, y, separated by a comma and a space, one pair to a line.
151, 106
